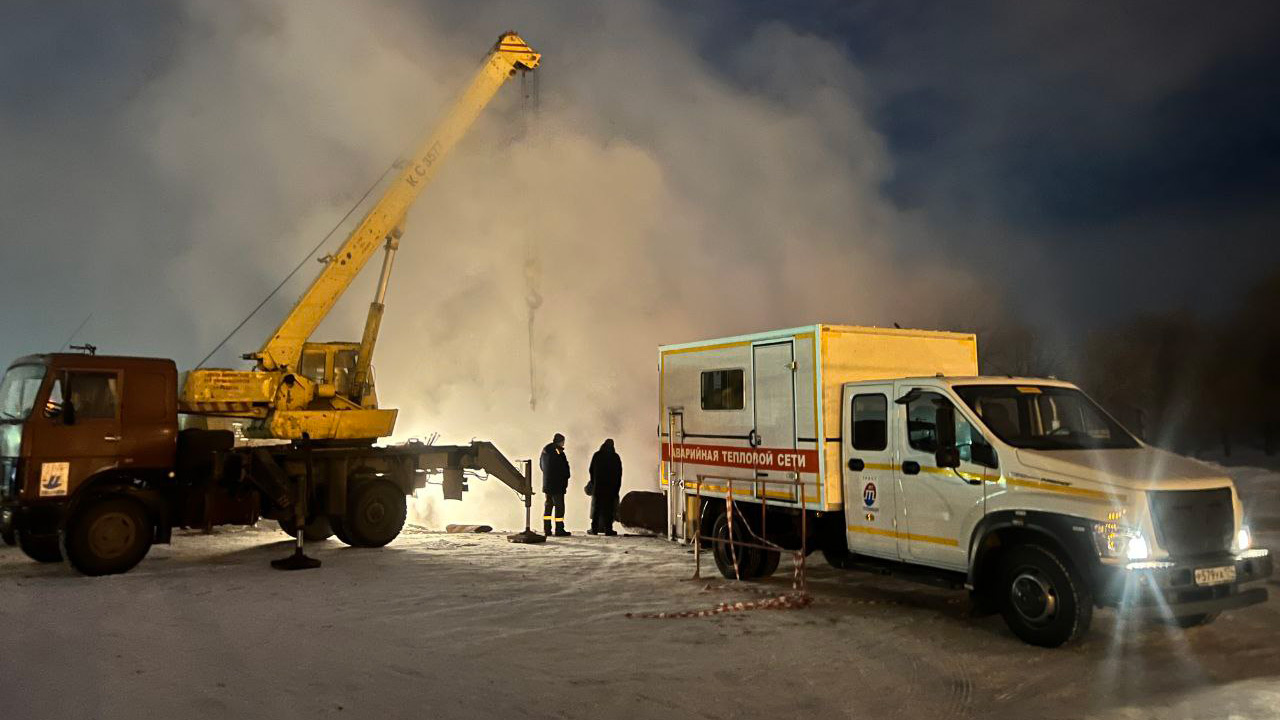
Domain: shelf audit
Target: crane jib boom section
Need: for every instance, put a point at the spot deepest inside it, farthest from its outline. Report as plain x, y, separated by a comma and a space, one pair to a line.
384, 222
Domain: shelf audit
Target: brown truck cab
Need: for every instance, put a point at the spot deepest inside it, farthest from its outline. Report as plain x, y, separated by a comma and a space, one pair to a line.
90, 437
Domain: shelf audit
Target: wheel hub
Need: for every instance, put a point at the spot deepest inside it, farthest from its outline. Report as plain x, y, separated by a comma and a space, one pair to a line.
375, 513
1033, 597
112, 534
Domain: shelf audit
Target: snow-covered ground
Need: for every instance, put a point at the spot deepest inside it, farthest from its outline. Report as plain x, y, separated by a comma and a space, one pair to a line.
470, 626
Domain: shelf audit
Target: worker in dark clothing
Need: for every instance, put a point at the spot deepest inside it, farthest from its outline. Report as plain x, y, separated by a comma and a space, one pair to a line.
606, 483
555, 482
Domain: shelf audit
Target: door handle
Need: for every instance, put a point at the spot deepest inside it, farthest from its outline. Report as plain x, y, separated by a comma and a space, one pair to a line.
911, 467
856, 464
111, 438
971, 481
753, 438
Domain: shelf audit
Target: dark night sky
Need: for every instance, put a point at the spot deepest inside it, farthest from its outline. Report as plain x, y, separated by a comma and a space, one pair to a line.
1086, 160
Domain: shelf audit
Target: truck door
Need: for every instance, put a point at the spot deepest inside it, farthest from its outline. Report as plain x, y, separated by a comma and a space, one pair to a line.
69, 452
940, 505
870, 489
773, 370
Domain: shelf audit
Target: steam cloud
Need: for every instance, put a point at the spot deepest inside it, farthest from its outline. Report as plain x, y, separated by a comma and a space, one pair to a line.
664, 195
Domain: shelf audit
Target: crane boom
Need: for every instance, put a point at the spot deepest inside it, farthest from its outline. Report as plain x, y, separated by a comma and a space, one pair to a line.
283, 348
324, 390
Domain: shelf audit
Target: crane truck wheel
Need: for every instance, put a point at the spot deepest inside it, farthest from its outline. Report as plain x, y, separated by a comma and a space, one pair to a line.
375, 513
41, 548
339, 526
317, 529
108, 537
1043, 599
748, 559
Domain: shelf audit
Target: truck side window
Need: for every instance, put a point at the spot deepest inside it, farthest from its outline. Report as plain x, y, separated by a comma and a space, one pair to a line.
53, 406
93, 394
723, 390
870, 422
922, 433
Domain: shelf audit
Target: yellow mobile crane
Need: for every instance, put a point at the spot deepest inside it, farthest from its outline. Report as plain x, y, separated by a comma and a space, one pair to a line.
325, 391
94, 468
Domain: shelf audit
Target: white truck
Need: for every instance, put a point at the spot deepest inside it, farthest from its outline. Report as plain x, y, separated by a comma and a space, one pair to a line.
1021, 490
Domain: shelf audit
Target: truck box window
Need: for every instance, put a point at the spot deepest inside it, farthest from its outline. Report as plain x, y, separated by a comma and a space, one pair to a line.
870, 426
723, 390
93, 394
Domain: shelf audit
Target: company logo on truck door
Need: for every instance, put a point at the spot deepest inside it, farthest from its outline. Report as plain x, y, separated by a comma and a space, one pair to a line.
53, 478
805, 461
869, 494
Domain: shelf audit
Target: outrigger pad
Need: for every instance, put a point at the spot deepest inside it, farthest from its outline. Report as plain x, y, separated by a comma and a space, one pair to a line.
528, 537
296, 561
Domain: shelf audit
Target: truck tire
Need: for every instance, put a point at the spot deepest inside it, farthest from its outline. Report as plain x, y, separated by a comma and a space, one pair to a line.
318, 529
769, 562
108, 536
41, 548
1043, 599
749, 559
1197, 620
339, 526
376, 513
838, 557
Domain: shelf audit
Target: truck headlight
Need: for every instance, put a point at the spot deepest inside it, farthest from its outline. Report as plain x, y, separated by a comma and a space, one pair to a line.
1244, 539
1120, 542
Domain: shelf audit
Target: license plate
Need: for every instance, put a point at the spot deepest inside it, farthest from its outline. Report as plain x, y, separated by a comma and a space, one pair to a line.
1216, 575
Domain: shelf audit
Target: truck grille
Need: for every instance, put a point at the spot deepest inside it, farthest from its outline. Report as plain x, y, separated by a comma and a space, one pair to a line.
1193, 522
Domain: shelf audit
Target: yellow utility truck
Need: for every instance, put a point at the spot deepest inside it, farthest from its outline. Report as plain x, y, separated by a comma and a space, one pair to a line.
886, 450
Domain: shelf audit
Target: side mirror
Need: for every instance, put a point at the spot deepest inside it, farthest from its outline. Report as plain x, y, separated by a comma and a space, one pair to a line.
68, 412
985, 455
944, 422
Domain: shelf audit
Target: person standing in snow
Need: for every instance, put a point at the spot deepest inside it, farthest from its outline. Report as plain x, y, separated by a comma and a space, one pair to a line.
606, 483
555, 482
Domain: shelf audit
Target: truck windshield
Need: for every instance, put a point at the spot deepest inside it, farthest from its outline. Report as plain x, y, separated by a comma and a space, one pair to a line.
18, 391
1045, 417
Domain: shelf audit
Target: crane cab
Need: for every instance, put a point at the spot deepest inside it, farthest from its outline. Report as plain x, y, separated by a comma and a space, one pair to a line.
332, 367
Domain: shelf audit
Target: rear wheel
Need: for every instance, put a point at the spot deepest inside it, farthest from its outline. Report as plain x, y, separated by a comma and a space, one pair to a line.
1043, 600
728, 557
41, 548
376, 513
317, 529
109, 536
768, 563
339, 526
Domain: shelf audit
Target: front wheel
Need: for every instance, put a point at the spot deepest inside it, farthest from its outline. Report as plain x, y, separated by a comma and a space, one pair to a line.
1197, 620
376, 513
1043, 600
108, 537
41, 548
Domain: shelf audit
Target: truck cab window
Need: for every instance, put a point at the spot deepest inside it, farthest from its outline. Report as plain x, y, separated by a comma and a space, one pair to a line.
93, 394
922, 432
313, 366
723, 390
53, 406
870, 422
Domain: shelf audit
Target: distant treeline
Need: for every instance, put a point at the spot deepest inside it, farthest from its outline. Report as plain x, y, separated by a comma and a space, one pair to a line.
1181, 381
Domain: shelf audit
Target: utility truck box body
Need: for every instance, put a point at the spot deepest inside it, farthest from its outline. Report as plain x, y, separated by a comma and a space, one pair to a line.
885, 450
767, 406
